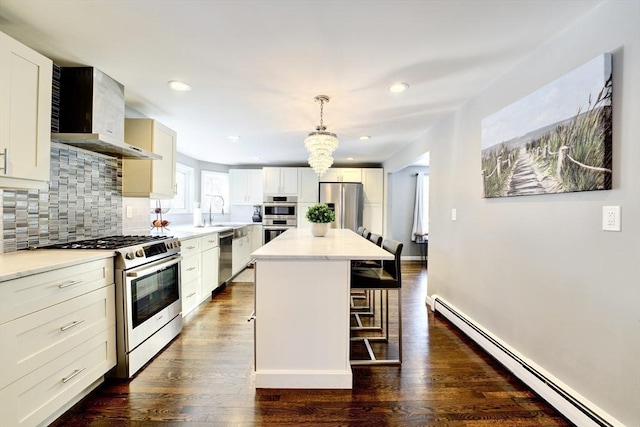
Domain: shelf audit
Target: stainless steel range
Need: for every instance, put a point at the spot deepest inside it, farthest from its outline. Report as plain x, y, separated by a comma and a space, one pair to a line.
148, 303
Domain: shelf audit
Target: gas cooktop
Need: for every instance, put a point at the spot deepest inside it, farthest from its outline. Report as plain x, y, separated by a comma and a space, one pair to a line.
110, 242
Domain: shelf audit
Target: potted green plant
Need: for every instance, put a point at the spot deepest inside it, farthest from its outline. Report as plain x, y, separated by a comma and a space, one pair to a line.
320, 216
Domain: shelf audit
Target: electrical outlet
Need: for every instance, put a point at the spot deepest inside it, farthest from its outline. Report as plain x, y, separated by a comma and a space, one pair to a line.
611, 218
129, 210
454, 214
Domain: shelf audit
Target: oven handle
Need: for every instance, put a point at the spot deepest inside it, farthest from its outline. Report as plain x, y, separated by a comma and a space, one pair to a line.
152, 268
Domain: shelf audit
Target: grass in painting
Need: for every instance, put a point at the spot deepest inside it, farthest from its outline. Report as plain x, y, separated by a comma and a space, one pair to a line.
588, 138
497, 166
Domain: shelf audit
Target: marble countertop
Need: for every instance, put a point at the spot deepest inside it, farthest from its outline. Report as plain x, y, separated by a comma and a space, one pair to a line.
338, 244
186, 231
25, 263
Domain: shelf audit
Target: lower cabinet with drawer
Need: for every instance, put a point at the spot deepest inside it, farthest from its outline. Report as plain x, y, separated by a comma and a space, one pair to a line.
55, 349
210, 260
190, 270
199, 269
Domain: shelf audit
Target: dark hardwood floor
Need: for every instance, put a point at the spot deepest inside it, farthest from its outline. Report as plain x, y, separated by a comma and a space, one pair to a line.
205, 378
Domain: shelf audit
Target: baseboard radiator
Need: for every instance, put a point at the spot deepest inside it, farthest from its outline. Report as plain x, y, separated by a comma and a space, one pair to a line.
569, 403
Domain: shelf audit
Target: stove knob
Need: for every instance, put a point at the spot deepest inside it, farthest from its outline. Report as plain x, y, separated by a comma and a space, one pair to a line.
179, 243
130, 255
169, 245
140, 253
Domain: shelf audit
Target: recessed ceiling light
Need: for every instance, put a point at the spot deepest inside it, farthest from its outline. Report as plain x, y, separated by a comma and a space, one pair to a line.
351, 158
233, 138
398, 87
364, 137
179, 86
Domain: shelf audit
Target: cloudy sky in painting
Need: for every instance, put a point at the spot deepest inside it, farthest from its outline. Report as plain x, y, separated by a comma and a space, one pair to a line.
557, 101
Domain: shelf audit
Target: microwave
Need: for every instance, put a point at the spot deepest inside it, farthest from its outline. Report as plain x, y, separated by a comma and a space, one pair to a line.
280, 207
280, 210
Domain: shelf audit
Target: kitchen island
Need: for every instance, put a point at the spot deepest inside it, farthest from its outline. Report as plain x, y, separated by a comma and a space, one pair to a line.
302, 288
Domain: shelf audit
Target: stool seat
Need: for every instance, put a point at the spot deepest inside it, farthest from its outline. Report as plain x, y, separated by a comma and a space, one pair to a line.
373, 278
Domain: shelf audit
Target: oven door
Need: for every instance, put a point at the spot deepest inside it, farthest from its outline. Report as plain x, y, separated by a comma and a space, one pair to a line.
273, 231
152, 299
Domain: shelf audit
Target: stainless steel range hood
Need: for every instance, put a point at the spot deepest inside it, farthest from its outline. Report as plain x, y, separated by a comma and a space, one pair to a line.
104, 144
92, 113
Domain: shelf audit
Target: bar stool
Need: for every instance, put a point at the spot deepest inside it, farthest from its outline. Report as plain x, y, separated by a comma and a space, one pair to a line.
369, 296
386, 278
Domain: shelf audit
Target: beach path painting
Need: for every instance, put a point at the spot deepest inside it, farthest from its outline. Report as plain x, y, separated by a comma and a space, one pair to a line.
555, 140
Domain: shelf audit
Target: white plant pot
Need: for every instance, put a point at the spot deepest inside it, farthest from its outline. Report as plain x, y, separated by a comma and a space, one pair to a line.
319, 229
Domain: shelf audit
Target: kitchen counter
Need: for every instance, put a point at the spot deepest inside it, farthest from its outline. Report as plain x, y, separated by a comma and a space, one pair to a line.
185, 231
25, 263
338, 244
302, 308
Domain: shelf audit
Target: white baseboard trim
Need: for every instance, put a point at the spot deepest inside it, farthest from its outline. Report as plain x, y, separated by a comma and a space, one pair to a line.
411, 258
565, 400
304, 379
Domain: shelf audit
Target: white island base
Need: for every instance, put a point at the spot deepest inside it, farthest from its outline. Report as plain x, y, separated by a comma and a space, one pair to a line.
302, 324
302, 313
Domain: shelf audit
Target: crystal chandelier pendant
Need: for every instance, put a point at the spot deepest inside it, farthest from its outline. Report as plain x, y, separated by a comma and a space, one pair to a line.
321, 144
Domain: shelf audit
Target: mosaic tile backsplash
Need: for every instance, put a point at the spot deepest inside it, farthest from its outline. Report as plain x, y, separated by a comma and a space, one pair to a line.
84, 201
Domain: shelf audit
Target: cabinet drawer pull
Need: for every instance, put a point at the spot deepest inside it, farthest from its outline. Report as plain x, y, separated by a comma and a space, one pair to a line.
211, 241
252, 317
191, 294
71, 325
75, 373
190, 247
191, 268
71, 283
5, 155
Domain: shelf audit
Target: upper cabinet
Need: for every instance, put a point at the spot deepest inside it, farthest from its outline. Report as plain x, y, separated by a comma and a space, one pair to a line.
373, 185
280, 181
245, 186
25, 115
155, 179
342, 175
307, 186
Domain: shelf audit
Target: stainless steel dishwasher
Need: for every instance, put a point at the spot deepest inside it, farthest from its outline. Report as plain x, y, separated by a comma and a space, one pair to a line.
226, 257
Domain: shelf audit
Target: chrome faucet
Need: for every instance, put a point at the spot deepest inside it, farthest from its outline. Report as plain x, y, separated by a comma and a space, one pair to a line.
211, 204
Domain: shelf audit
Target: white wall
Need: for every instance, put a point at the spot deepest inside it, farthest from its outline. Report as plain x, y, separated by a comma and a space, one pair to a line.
402, 199
537, 271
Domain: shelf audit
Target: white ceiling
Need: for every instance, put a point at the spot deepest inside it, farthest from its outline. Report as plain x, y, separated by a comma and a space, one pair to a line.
255, 66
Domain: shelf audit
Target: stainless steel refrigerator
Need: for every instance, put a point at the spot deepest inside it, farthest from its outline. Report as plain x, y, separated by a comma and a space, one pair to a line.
346, 199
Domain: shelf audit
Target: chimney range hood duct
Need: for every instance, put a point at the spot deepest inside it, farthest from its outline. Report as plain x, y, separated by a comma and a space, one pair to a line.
92, 114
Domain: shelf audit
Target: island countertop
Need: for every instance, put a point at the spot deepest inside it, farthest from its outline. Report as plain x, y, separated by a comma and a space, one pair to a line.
338, 244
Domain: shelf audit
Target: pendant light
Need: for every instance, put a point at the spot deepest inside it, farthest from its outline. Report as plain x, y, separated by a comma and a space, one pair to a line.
321, 144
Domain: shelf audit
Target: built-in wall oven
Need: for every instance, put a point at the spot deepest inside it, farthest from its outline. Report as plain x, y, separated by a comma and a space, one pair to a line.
148, 303
280, 215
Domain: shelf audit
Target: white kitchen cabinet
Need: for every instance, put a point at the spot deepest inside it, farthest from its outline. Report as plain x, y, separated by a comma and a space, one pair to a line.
58, 338
155, 179
198, 269
210, 259
245, 186
373, 185
302, 212
257, 237
25, 115
280, 181
241, 248
342, 175
237, 254
190, 272
307, 186
372, 217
